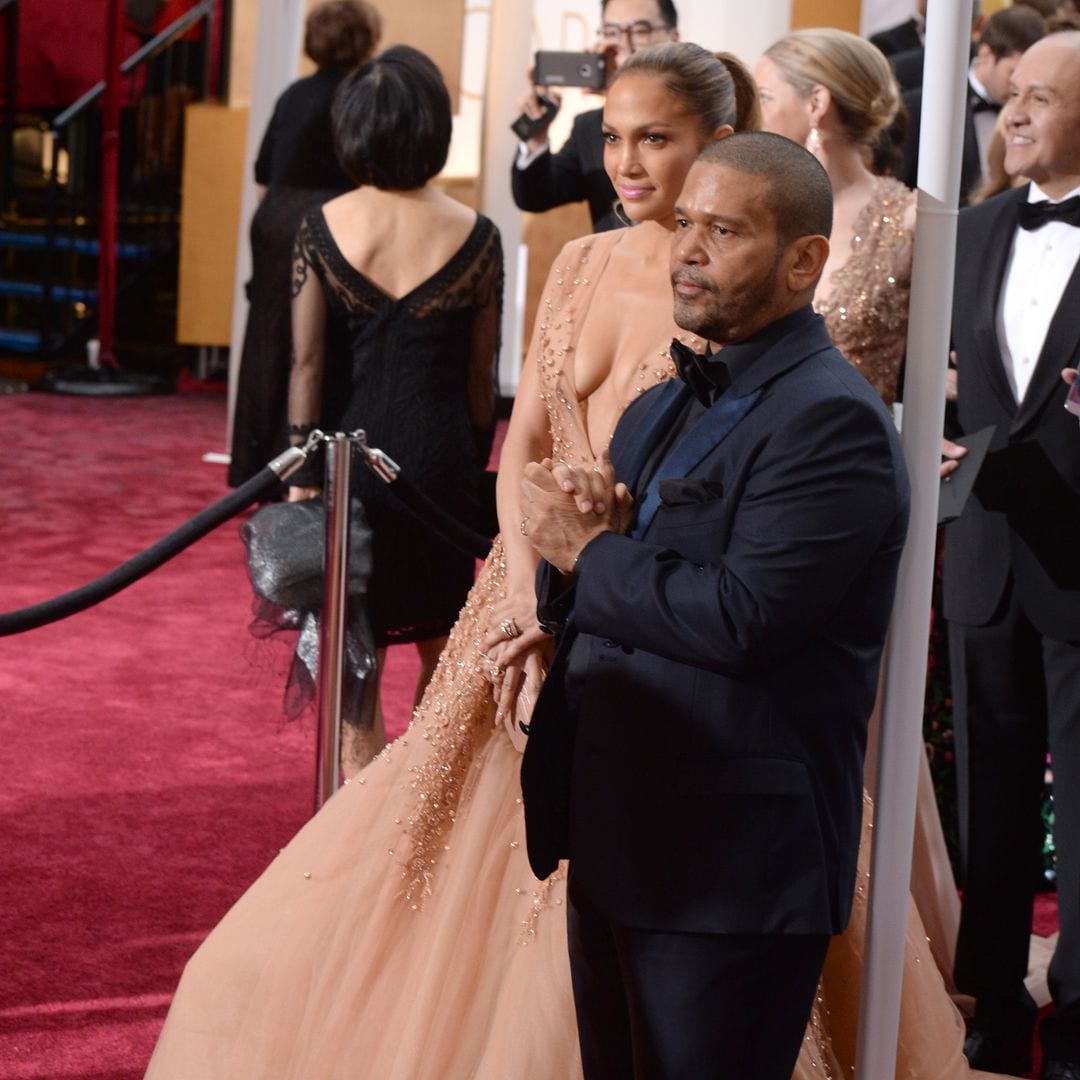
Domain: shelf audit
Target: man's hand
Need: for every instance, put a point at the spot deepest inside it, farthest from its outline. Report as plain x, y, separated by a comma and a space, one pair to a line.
566, 507
530, 105
950, 378
1069, 375
951, 454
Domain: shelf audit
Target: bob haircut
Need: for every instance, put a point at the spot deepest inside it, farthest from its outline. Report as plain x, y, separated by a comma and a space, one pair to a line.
392, 121
341, 34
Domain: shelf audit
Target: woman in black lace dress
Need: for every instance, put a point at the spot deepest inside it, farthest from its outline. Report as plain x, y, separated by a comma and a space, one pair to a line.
397, 295
296, 169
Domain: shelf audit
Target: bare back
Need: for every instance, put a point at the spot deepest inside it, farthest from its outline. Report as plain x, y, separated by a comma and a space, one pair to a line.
398, 239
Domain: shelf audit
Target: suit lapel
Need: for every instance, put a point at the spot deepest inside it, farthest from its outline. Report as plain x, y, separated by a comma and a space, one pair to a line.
669, 399
701, 440
991, 280
1059, 350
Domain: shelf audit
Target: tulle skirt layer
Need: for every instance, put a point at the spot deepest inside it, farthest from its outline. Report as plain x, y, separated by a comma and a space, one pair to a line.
401, 934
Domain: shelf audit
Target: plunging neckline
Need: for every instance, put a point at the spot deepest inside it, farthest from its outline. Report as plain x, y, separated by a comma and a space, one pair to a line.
378, 291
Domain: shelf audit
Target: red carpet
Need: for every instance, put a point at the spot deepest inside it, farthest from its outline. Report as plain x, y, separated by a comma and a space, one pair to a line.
148, 774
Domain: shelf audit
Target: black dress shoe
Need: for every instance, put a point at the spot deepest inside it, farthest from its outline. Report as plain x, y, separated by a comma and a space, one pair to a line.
991, 1053
1059, 1069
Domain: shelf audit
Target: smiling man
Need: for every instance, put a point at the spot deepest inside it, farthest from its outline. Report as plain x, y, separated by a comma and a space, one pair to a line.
1012, 569
697, 749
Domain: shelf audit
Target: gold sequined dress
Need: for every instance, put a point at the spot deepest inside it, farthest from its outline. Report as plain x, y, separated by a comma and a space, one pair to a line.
867, 312
401, 934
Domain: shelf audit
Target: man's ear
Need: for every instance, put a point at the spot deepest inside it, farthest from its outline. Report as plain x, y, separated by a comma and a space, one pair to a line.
805, 258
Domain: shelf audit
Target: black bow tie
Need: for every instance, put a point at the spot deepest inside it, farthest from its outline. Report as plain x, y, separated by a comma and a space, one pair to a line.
707, 376
1034, 215
980, 104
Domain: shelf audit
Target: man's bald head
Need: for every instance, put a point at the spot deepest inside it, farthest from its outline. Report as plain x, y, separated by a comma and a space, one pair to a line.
798, 191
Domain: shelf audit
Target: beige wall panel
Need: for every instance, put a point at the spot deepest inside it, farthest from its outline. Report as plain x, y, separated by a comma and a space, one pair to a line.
544, 235
209, 208
843, 14
436, 27
242, 51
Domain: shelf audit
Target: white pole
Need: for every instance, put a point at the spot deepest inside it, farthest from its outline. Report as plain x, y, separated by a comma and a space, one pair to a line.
948, 39
277, 57
508, 58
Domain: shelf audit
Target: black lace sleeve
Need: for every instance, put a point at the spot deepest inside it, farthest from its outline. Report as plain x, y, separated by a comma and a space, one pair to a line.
486, 343
309, 346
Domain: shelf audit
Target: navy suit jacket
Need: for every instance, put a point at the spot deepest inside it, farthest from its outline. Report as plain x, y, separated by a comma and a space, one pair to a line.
697, 748
1023, 524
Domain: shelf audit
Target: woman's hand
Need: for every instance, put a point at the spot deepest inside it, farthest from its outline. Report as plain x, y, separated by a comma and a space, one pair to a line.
514, 631
521, 679
301, 494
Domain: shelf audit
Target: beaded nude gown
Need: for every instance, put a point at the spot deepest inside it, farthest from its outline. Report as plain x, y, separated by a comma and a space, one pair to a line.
401, 934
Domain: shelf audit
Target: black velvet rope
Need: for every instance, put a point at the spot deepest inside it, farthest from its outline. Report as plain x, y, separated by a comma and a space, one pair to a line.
439, 521
70, 603
170, 545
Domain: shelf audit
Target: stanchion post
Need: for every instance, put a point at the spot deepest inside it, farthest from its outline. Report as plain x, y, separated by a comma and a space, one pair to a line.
339, 450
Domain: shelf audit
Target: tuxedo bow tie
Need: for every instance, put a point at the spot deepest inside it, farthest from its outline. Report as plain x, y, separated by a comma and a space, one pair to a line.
707, 376
980, 104
1034, 215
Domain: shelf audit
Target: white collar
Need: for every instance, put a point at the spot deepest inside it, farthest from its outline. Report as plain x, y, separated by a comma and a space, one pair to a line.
1036, 194
978, 87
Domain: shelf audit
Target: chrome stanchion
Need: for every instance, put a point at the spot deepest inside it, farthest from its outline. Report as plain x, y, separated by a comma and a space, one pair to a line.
339, 450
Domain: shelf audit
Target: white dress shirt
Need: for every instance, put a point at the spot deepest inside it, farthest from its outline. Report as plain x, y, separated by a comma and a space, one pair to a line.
1039, 268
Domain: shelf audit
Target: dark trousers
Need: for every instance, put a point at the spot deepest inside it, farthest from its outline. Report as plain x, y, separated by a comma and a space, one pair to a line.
1016, 695
653, 1005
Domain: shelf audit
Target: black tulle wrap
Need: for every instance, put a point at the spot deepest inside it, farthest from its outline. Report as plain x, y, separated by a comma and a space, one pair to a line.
286, 545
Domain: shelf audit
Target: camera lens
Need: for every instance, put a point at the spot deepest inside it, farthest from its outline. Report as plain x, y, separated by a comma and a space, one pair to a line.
585, 71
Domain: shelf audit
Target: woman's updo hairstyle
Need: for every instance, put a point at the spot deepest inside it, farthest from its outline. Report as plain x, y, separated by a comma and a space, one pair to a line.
392, 121
856, 74
717, 91
342, 34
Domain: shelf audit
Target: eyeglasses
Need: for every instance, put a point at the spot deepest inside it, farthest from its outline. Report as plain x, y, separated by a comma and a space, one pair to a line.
638, 33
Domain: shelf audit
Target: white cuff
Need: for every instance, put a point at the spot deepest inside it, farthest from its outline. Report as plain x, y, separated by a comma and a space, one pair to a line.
525, 156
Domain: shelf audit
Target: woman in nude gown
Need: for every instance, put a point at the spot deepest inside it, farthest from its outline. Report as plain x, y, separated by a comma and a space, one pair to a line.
401, 934
834, 92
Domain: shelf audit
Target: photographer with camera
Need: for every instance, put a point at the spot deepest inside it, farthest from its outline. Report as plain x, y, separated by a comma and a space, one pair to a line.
542, 180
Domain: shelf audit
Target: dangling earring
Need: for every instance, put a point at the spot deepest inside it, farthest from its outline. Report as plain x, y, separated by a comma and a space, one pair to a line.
813, 141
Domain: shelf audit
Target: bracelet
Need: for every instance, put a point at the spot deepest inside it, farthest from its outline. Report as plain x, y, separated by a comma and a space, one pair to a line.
300, 429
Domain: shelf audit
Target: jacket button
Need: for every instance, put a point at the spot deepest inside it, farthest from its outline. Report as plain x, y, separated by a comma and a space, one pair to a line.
609, 644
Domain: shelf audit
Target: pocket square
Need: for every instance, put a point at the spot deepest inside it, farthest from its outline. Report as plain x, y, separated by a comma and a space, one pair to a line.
683, 492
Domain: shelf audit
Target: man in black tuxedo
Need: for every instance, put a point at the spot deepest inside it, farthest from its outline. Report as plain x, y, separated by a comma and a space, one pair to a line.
1012, 569
904, 36
1003, 39
541, 180
697, 748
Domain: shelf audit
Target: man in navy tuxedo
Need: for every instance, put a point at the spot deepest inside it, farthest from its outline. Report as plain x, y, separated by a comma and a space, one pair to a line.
697, 749
1011, 580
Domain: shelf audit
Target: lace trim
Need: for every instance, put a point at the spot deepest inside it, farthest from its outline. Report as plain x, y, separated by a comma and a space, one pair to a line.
454, 284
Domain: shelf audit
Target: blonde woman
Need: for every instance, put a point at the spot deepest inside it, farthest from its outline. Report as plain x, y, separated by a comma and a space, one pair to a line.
834, 93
